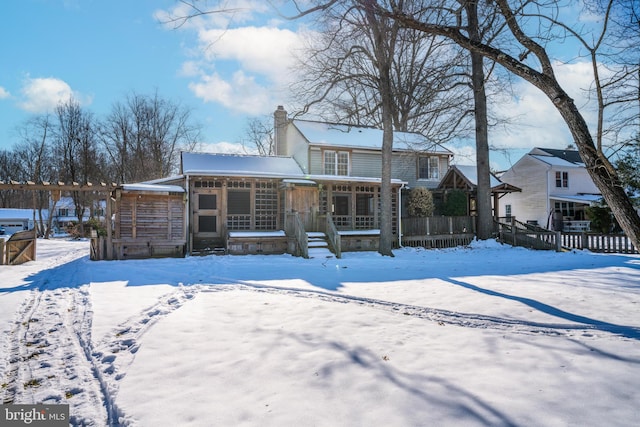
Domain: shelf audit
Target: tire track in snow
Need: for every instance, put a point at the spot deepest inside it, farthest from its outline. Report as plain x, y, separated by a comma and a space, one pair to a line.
47, 357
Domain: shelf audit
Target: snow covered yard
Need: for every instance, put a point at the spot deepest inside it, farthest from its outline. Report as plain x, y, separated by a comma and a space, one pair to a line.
486, 335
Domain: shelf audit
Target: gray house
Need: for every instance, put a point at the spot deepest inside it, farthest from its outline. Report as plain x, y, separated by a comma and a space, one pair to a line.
322, 188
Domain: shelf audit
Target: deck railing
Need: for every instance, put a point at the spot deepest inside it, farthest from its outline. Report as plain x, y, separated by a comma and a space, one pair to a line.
333, 236
295, 227
438, 231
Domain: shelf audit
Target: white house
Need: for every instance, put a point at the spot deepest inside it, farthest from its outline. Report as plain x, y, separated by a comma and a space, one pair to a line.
64, 212
14, 220
556, 188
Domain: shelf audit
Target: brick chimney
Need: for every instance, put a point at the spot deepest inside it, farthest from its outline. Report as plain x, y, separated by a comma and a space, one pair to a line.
280, 121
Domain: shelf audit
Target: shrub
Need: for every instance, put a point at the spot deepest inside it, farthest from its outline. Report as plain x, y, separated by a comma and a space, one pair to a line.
420, 203
455, 204
600, 218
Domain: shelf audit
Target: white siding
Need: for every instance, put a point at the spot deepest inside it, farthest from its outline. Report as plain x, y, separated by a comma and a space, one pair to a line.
532, 204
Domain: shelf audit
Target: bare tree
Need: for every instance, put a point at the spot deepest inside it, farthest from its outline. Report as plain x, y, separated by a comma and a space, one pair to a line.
35, 154
10, 170
77, 152
144, 136
259, 136
527, 56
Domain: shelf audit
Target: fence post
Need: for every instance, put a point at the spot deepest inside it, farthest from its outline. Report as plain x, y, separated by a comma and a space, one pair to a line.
1, 251
584, 240
513, 233
450, 225
558, 241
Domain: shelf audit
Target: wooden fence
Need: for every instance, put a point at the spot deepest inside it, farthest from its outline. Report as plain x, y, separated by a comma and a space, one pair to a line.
605, 243
534, 237
20, 248
438, 231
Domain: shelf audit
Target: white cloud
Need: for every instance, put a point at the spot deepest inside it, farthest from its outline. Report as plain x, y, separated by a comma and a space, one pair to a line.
241, 93
535, 122
4, 94
229, 12
263, 50
39, 95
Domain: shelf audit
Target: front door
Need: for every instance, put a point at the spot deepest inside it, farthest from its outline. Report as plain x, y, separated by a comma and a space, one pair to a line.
206, 216
305, 202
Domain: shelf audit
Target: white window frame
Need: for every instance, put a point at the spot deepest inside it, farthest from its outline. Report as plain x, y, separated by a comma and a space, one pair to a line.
335, 162
433, 168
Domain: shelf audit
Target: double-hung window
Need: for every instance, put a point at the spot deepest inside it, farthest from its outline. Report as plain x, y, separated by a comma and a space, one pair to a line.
336, 163
429, 168
562, 179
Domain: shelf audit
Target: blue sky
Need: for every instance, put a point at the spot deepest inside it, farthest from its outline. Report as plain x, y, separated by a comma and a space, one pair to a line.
224, 68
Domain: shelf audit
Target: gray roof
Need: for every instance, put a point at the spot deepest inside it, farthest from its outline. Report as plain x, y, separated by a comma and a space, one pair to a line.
338, 135
554, 157
240, 165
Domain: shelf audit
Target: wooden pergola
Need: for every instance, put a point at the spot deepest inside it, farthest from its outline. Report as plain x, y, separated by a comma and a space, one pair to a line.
59, 187
455, 178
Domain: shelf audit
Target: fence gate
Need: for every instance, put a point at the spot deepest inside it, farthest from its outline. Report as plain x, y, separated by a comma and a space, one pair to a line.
21, 247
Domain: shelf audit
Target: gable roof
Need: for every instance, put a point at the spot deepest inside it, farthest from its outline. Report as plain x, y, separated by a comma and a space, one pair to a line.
239, 165
556, 157
468, 176
339, 135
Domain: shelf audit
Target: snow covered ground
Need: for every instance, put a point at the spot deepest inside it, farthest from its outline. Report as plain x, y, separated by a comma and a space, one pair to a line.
485, 335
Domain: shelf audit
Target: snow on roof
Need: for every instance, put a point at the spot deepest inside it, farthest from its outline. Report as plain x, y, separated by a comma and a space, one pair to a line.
239, 165
471, 173
556, 161
580, 198
153, 187
362, 137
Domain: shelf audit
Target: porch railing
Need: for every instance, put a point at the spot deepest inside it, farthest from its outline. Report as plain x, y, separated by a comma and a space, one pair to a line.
300, 235
333, 236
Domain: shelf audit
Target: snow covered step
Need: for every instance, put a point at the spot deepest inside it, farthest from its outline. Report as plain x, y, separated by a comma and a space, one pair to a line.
320, 253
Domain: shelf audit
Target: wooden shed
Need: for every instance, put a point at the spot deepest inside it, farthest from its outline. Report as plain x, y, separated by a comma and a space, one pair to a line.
150, 221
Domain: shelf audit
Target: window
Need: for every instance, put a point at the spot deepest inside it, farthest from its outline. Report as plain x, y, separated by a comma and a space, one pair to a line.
364, 204
507, 212
239, 202
562, 179
341, 205
336, 163
567, 208
429, 167
207, 201
207, 224
63, 212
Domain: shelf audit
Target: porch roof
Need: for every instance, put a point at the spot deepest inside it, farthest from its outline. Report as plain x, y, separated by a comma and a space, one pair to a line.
577, 198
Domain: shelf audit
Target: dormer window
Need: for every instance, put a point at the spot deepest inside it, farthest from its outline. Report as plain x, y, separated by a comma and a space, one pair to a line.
429, 168
336, 163
562, 179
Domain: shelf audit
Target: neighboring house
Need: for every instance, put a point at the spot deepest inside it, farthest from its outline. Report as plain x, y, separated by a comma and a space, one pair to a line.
14, 220
465, 178
64, 213
556, 189
324, 177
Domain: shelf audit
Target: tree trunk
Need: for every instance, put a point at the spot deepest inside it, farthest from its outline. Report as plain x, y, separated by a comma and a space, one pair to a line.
602, 173
483, 188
